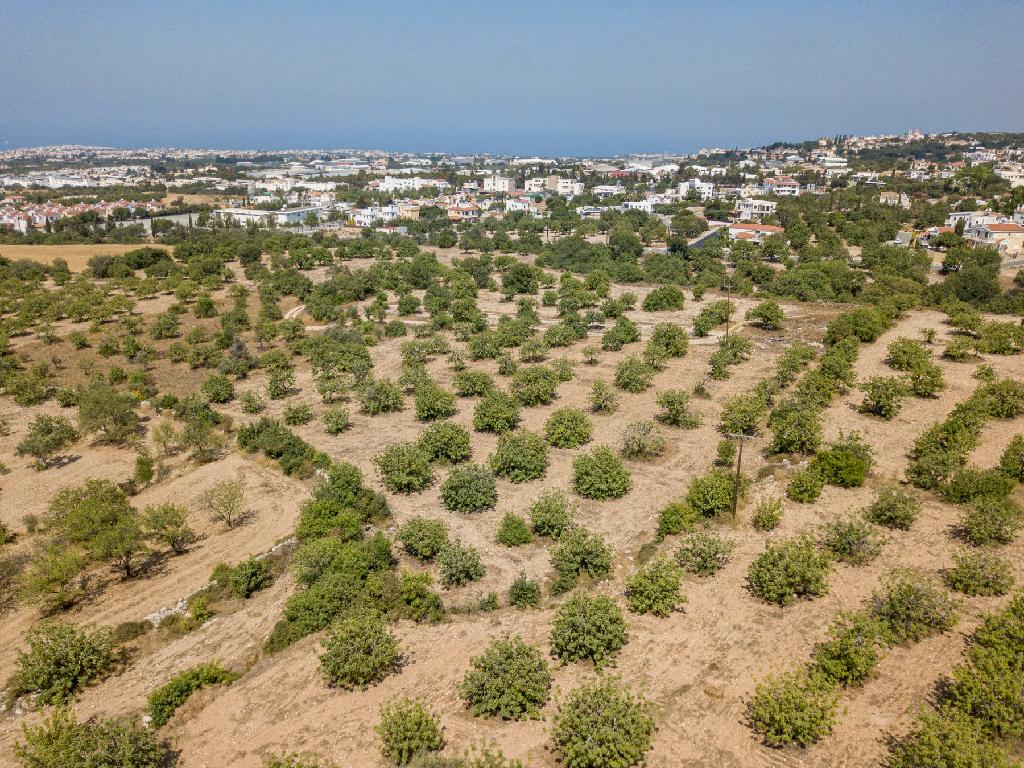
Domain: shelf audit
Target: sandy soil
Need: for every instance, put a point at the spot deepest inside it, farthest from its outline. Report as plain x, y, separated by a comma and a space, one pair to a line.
77, 256
698, 666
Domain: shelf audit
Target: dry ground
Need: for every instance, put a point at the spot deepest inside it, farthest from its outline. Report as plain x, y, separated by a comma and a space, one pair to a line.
77, 256
697, 666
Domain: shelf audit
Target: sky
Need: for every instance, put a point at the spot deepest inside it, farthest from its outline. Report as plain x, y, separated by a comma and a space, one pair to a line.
561, 77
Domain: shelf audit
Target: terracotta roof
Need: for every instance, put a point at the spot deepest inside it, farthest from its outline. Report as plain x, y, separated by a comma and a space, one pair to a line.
750, 227
1004, 227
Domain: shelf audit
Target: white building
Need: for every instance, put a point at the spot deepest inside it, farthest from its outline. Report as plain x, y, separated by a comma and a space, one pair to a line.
752, 233
1012, 172
569, 187
601, 191
284, 217
396, 184
704, 189
647, 206
1007, 237
974, 218
497, 183
748, 210
782, 186
523, 204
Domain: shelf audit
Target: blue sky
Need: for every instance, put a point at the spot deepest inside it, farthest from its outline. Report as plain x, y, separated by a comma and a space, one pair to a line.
555, 77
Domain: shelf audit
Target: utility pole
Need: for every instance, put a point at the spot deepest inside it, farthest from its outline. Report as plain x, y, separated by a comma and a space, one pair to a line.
739, 464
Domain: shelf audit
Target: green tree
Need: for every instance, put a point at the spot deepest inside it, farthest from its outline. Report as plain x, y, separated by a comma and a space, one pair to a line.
47, 435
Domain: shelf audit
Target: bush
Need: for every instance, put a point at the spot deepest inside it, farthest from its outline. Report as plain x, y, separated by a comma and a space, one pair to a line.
551, 514
408, 728
568, 428
991, 521
603, 398
496, 412
1012, 460
713, 493
668, 340
788, 570
674, 404
625, 331
513, 531
852, 650
947, 739
968, 483
219, 389
520, 456
804, 486
926, 380
767, 515
633, 374
534, 385
524, 592
472, 383
460, 564
165, 700
851, 541
335, 420
423, 538
359, 651
470, 488
405, 467
767, 315
588, 628
433, 402
60, 741
910, 608
642, 440
61, 660
578, 551
509, 680
845, 463
794, 708
905, 354
893, 508
663, 298
47, 435
883, 396
980, 574
382, 396
250, 576
297, 414
602, 724
715, 313
654, 588
675, 517
703, 553
446, 442
600, 475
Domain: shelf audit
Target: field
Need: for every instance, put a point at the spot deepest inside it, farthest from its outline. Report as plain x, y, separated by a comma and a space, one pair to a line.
77, 256
698, 666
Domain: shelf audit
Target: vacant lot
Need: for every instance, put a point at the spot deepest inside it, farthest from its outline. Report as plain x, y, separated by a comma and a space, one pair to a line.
77, 256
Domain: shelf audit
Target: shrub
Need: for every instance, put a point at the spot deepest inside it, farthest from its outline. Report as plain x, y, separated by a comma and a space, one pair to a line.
845, 463
980, 574
662, 298
446, 442
926, 380
297, 414
725, 454
165, 700
469, 488
578, 551
1012, 460
852, 650
715, 313
674, 404
460, 564
676, 517
472, 383
359, 651
633, 374
625, 331
767, 315
513, 531
496, 412
47, 435
883, 396
61, 741
433, 402
968, 483
910, 608
654, 588
794, 708
732, 350
219, 389
767, 515
603, 398
524, 592
788, 570
568, 428
669, 340
509, 680
382, 396
893, 508
600, 475
804, 486
703, 553
250, 576
602, 724
534, 385
588, 628
551, 514
713, 493
904, 354
851, 541
335, 420
947, 739
423, 538
991, 521
61, 660
520, 456
642, 440
405, 467
408, 728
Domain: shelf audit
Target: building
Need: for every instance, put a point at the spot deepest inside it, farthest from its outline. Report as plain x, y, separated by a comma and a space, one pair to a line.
751, 232
753, 209
1007, 238
602, 191
499, 184
781, 186
705, 189
463, 211
973, 218
524, 204
1012, 172
569, 187
283, 218
647, 206
895, 199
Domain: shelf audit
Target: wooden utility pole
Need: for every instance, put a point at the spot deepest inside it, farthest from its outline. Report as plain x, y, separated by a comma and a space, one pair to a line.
739, 465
